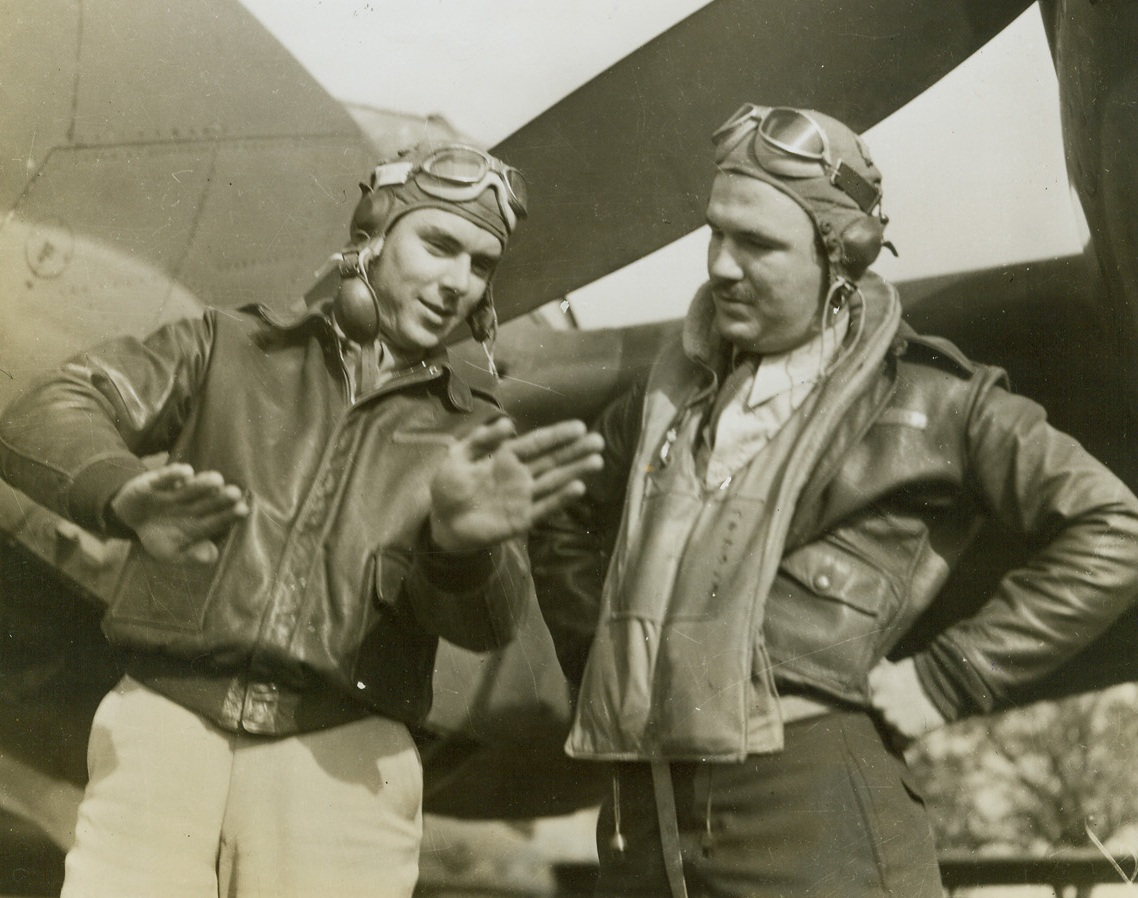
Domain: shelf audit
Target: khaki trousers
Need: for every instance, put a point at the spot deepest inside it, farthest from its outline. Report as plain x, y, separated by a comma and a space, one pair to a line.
177, 807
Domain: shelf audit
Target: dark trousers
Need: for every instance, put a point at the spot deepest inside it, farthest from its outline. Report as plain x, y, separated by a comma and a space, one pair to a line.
834, 814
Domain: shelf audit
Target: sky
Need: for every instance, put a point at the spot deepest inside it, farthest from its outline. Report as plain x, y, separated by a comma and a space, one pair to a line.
488, 66
974, 173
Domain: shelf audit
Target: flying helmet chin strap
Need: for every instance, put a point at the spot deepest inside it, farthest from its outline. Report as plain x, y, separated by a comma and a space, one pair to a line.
841, 289
483, 323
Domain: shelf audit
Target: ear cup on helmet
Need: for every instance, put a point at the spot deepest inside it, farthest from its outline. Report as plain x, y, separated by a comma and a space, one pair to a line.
860, 244
356, 310
355, 307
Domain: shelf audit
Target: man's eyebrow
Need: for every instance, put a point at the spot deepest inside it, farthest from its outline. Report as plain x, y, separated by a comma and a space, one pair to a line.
445, 238
439, 235
755, 235
774, 238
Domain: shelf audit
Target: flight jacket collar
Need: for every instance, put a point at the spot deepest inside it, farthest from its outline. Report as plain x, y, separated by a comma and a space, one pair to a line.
302, 318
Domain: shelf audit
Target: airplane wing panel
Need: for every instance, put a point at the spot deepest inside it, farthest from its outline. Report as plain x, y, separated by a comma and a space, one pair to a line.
221, 76
260, 239
156, 158
38, 64
172, 177
77, 265
620, 167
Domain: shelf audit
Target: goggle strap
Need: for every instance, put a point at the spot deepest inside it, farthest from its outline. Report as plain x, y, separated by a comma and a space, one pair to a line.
391, 174
855, 187
510, 212
345, 263
745, 114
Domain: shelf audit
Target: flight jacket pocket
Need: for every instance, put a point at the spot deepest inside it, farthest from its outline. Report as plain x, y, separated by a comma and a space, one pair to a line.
187, 609
154, 595
826, 617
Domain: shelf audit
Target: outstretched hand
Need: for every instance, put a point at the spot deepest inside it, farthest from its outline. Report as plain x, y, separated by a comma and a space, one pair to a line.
896, 692
175, 511
495, 485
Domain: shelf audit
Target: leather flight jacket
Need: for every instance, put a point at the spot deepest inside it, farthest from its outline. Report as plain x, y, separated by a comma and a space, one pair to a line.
899, 477
329, 587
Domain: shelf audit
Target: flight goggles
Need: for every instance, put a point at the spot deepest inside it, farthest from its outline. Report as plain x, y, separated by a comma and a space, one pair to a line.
790, 143
459, 173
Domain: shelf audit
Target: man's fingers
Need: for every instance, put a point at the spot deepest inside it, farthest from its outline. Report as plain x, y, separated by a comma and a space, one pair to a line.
168, 477
485, 438
200, 486
197, 495
210, 525
585, 446
544, 507
202, 552
547, 439
555, 479
226, 500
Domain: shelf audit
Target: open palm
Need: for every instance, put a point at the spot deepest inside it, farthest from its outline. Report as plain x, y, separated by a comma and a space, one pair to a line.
176, 512
494, 485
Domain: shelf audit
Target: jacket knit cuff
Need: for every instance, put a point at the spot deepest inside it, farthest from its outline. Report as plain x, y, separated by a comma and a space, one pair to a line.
455, 571
93, 489
951, 682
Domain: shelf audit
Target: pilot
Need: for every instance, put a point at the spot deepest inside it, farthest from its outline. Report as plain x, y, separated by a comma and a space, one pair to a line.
779, 504
335, 498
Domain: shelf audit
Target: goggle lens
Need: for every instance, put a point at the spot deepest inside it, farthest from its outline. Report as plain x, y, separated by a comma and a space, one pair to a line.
799, 146
792, 132
469, 167
457, 164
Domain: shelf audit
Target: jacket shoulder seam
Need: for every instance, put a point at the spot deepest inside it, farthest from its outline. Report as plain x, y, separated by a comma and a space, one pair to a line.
935, 352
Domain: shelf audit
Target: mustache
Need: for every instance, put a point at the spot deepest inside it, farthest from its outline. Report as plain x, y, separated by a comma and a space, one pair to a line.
732, 291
